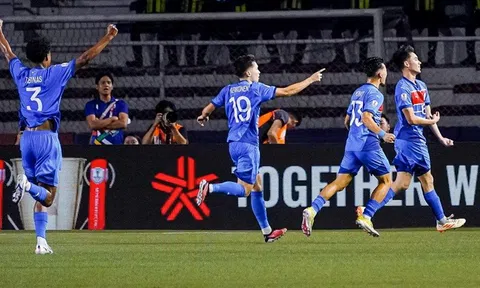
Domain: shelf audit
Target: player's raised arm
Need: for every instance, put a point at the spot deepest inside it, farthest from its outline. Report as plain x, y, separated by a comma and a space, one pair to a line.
91, 53
367, 120
5, 46
298, 87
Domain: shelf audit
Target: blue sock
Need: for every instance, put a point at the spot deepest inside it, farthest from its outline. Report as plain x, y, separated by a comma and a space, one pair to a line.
388, 197
434, 202
38, 193
258, 207
318, 203
372, 207
41, 220
229, 188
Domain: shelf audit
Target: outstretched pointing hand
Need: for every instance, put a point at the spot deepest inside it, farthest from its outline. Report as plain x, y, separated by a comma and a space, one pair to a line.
317, 76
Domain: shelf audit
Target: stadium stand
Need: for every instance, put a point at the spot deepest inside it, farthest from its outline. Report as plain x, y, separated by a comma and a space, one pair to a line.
454, 86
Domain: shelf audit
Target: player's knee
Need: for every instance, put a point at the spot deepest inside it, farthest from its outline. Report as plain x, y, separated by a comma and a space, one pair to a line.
48, 202
403, 185
341, 184
257, 187
248, 189
38, 207
386, 180
427, 182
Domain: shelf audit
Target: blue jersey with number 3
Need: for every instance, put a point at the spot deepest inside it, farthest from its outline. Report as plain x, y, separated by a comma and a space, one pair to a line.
242, 102
367, 98
40, 90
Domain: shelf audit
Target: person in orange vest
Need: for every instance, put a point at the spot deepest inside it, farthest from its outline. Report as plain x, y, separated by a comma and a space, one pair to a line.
273, 126
165, 129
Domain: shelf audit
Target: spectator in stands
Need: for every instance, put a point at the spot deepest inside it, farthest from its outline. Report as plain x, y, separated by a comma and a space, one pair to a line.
165, 129
385, 123
293, 29
430, 15
158, 30
132, 139
106, 116
344, 24
192, 30
234, 30
472, 9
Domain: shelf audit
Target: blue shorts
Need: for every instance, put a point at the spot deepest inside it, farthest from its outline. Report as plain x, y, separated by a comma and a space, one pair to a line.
375, 161
41, 156
246, 158
412, 157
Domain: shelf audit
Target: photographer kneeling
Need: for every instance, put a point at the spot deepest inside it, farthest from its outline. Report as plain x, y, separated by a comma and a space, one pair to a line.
165, 129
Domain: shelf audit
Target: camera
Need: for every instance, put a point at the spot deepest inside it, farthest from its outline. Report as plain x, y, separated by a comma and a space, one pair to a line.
170, 117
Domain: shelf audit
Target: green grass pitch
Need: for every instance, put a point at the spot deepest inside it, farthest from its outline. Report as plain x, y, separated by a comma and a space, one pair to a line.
348, 258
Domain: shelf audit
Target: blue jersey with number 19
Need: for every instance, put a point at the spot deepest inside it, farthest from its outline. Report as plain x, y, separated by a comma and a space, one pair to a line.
367, 98
242, 102
40, 90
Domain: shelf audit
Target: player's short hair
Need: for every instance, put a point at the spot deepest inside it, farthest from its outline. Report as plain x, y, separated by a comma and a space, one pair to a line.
401, 55
296, 116
372, 65
242, 63
386, 118
103, 74
37, 49
164, 104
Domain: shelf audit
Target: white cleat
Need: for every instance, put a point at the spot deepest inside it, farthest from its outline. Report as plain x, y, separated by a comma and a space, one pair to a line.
19, 188
307, 221
366, 225
202, 192
451, 224
43, 249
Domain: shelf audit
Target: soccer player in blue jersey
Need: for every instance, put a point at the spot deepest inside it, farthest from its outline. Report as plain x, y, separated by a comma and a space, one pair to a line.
41, 89
242, 102
413, 111
362, 148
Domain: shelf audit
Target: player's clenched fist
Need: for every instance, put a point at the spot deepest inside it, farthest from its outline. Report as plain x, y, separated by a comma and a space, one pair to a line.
389, 138
446, 142
112, 30
317, 76
202, 119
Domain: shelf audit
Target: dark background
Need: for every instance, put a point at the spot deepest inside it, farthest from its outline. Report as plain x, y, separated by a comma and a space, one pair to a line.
132, 203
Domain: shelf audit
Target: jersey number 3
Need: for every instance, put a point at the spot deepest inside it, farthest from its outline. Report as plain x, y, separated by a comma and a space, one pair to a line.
356, 108
36, 91
241, 114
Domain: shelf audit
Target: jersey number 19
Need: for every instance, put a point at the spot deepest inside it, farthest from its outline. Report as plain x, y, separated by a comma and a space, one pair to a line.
241, 111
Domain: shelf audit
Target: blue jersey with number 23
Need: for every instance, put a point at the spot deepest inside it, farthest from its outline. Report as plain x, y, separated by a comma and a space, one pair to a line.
367, 98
